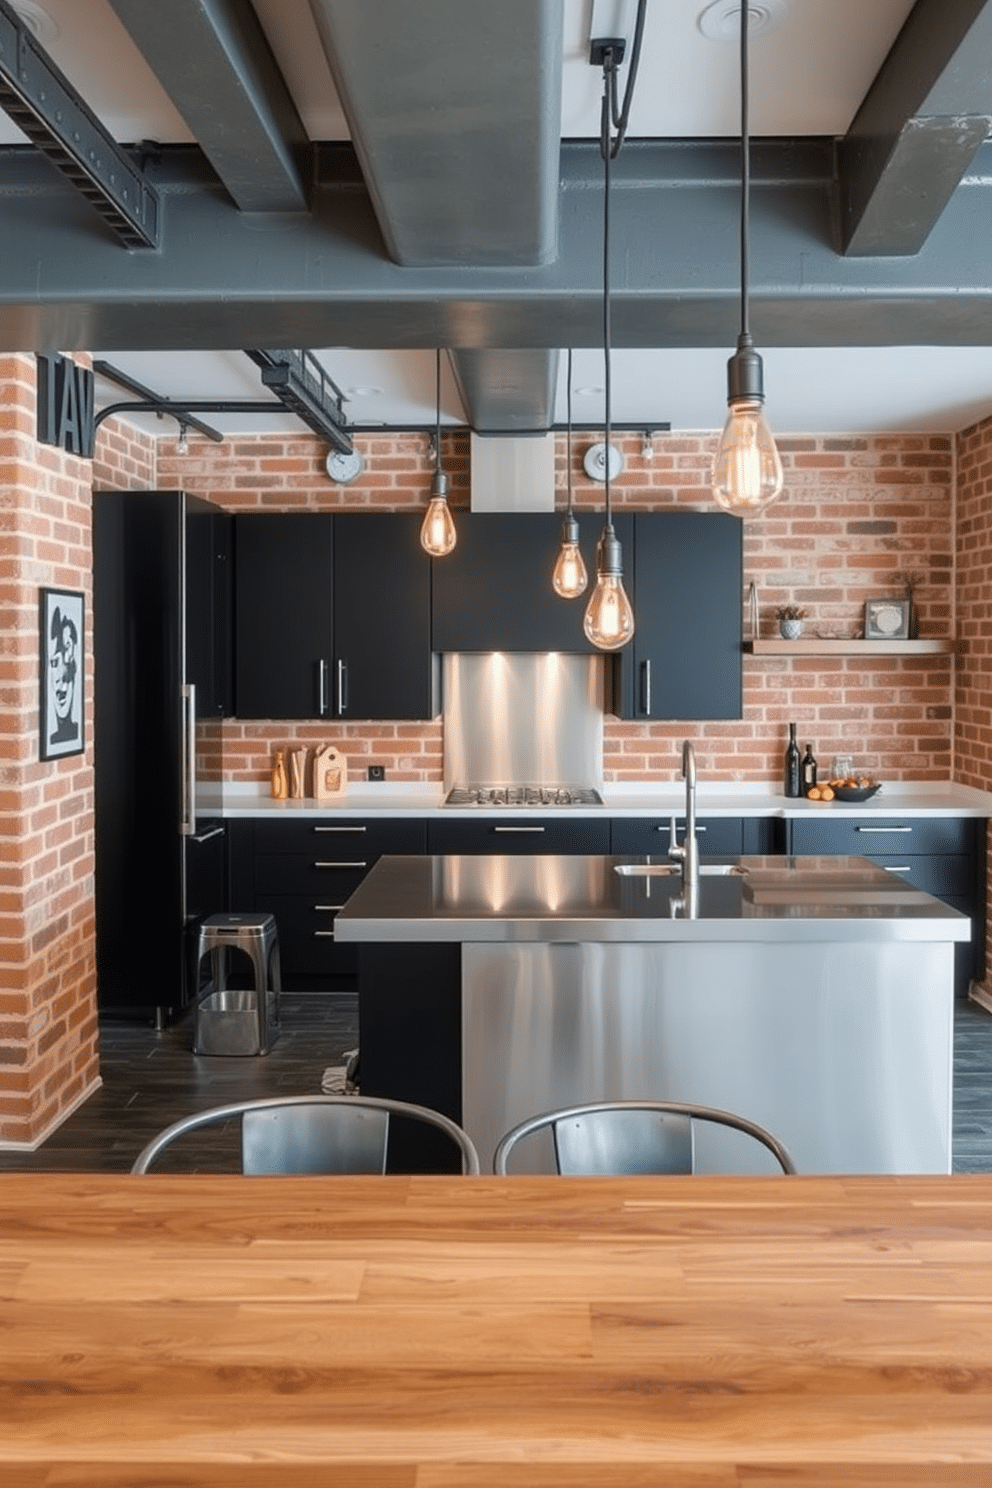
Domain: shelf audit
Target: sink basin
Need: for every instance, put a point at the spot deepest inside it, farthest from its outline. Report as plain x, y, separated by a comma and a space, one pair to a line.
669, 870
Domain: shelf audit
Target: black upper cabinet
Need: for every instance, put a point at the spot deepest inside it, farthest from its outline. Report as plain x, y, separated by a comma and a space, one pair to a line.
382, 610
493, 593
685, 659
284, 614
208, 539
333, 616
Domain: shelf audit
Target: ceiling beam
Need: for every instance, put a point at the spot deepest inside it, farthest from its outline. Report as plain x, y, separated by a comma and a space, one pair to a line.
507, 392
325, 280
455, 114
42, 102
214, 61
917, 131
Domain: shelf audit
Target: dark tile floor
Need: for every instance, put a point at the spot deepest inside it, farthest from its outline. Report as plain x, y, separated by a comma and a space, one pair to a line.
150, 1078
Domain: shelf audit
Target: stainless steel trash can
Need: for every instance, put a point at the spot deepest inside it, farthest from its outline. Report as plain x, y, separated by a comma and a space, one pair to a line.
234, 1020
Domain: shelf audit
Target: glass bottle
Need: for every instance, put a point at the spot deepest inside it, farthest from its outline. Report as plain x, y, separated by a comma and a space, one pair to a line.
808, 769
792, 771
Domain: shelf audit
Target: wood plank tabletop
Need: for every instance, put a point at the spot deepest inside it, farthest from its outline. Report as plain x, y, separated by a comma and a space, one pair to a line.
434, 1332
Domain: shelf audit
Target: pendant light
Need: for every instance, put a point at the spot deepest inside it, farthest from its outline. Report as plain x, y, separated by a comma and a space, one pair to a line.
438, 535
747, 471
609, 618
569, 578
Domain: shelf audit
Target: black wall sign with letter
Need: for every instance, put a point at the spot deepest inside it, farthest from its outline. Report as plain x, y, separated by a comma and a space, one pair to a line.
65, 405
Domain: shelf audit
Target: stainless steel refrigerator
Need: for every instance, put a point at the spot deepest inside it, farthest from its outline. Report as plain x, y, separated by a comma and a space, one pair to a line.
162, 684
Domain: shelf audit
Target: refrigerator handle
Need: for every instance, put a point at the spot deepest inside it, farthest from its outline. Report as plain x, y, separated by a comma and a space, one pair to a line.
187, 819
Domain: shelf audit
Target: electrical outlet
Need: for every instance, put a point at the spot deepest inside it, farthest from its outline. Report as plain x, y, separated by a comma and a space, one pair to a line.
377, 772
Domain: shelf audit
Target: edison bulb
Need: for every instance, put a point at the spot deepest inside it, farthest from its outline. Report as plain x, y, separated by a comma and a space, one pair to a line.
438, 535
747, 471
609, 619
569, 578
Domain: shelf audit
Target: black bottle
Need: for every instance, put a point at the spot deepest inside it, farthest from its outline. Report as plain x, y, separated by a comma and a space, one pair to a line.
808, 769
792, 771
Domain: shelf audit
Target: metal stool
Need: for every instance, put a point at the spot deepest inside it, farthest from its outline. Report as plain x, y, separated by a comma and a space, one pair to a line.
231, 1020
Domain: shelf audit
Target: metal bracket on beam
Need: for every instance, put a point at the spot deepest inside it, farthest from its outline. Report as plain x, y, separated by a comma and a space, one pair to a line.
302, 385
42, 102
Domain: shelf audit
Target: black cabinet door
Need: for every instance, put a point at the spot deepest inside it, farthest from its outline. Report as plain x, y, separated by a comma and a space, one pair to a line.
284, 614
558, 834
382, 617
685, 659
208, 539
493, 593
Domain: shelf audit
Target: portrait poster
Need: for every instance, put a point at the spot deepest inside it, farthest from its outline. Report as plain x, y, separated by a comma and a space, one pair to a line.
63, 681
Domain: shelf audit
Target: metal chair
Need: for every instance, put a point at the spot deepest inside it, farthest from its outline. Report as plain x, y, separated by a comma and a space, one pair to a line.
311, 1133
630, 1137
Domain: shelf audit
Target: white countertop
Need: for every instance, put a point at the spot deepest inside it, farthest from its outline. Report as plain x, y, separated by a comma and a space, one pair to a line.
747, 799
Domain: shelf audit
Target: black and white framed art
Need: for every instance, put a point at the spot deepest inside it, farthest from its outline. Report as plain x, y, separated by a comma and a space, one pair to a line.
63, 680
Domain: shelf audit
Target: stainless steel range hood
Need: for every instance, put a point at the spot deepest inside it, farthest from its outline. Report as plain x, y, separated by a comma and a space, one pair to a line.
516, 719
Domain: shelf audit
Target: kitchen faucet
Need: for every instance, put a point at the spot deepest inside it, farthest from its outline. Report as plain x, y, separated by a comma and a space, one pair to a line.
688, 854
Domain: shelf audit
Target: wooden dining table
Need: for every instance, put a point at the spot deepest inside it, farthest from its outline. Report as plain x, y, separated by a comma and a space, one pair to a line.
450, 1332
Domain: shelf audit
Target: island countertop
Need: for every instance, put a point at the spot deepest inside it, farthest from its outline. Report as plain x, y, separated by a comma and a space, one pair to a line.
540, 898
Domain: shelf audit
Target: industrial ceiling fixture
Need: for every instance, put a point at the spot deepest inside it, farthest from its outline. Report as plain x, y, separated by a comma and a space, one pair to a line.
747, 471
569, 577
438, 535
609, 619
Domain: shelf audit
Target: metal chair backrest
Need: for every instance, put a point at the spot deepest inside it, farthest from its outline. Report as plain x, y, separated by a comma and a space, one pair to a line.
317, 1134
630, 1137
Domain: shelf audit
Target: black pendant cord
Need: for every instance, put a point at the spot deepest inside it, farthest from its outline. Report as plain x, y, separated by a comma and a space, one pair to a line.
568, 433
745, 173
620, 117
609, 86
437, 411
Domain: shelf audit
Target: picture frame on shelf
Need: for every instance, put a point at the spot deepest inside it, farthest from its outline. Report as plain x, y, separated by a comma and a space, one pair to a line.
887, 619
62, 672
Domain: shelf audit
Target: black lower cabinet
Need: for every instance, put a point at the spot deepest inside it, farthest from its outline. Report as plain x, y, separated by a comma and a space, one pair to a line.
558, 834
410, 1032
303, 870
943, 856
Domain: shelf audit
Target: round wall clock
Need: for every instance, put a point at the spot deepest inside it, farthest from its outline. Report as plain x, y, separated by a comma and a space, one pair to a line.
344, 468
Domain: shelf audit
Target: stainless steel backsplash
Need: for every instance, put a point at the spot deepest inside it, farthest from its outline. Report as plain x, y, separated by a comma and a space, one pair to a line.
516, 719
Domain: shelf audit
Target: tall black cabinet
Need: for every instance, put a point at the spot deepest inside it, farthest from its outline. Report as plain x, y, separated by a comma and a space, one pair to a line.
161, 605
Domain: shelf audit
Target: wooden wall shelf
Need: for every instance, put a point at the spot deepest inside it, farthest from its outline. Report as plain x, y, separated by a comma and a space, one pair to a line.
937, 646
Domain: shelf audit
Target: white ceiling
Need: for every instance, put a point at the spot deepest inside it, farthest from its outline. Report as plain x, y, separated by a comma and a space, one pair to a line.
809, 71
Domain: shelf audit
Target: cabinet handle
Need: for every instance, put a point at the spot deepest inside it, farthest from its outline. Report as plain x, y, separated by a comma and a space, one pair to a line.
646, 687
342, 687
208, 835
322, 704
340, 829
187, 809
329, 908
897, 867
340, 865
325, 934
883, 829
518, 829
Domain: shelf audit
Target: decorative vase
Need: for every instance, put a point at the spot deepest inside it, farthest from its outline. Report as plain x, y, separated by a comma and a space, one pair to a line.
790, 630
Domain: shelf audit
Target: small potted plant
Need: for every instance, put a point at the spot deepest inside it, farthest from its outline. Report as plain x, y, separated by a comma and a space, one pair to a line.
790, 621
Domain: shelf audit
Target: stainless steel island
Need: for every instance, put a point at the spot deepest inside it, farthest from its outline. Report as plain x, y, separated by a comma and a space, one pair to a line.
813, 995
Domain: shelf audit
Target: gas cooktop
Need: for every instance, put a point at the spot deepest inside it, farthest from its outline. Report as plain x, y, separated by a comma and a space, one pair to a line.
523, 795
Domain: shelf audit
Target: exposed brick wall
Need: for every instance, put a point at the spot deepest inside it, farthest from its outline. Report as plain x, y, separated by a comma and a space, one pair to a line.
858, 515
48, 1029
124, 459
973, 720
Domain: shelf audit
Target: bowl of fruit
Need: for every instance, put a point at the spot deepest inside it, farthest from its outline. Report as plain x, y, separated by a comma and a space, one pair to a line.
855, 788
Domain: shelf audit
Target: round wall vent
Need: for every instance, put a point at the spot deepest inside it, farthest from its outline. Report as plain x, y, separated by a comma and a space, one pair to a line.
721, 21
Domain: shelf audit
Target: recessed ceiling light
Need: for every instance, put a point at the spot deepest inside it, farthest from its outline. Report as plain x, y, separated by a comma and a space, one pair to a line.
38, 21
363, 392
721, 21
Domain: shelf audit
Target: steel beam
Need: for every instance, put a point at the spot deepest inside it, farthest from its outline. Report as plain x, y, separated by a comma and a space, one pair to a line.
214, 61
455, 113
44, 104
325, 280
918, 128
507, 392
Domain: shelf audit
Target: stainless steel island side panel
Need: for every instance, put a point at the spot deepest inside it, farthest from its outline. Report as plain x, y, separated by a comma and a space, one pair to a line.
844, 1051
